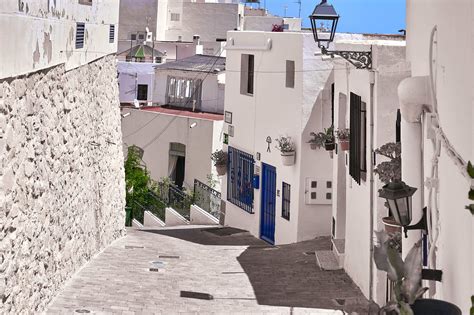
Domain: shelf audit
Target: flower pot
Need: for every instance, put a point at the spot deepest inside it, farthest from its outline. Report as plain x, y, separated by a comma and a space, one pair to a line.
313, 145
288, 158
344, 145
391, 226
329, 146
434, 307
221, 169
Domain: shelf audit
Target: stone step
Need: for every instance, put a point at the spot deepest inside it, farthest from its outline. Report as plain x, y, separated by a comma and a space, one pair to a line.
326, 260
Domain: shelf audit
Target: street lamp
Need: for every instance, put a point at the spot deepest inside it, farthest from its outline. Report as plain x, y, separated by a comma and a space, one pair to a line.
324, 24
398, 196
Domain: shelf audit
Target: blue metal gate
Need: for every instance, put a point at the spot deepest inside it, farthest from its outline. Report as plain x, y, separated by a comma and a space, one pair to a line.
267, 219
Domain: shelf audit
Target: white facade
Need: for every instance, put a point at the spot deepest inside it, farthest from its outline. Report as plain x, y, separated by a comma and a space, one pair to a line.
133, 74
276, 110
211, 92
155, 131
48, 33
357, 210
453, 86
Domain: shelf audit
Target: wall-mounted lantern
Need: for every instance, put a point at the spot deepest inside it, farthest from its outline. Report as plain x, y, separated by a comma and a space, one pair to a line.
324, 24
399, 198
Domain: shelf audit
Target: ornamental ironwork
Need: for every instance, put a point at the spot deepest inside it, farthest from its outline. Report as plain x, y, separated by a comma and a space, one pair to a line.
360, 59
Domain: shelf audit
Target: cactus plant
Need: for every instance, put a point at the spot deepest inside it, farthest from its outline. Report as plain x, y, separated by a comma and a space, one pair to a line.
405, 274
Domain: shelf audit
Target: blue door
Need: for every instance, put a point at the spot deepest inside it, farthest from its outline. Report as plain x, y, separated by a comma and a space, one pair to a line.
267, 218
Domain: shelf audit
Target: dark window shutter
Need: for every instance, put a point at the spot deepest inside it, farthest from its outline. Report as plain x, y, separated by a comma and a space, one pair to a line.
355, 139
398, 127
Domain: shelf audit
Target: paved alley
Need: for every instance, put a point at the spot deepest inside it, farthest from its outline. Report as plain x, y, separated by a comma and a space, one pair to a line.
146, 272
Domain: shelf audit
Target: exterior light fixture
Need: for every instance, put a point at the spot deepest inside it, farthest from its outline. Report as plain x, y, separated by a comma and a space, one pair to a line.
194, 124
398, 196
324, 24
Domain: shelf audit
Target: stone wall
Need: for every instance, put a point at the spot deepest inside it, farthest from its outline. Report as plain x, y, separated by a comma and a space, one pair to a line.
62, 189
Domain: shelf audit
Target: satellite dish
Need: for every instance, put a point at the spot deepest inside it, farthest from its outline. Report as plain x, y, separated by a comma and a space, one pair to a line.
136, 103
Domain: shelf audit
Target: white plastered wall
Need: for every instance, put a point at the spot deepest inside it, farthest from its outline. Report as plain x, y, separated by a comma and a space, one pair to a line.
454, 89
155, 131
48, 31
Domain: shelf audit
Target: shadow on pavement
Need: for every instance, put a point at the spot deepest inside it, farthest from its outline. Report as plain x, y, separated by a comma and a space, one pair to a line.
287, 276
213, 236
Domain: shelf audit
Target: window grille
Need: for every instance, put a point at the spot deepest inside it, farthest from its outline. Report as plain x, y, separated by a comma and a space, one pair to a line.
285, 207
358, 130
239, 179
80, 31
112, 34
86, 2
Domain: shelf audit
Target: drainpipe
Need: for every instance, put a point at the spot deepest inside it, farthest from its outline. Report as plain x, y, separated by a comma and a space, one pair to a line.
370, 171
415, 99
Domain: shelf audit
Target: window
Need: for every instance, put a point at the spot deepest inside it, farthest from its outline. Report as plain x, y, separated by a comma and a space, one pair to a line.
80, 31
175, 17
184, 92
133, 36
286, 26
358, 133
86, 2
112, 34
157, 59
247, 74
141, 36
240, 178
290, 74
142, 92
285, 206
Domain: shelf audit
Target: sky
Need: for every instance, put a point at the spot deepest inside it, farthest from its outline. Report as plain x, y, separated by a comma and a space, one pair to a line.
356, 16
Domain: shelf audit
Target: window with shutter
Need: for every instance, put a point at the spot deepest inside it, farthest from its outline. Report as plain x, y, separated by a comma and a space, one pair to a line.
358, 134
80, 31
112, 33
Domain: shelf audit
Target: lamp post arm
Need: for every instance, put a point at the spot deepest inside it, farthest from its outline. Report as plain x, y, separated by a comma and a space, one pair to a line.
360, 59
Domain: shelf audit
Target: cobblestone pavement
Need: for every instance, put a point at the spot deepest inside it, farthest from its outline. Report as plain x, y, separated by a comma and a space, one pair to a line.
244, 275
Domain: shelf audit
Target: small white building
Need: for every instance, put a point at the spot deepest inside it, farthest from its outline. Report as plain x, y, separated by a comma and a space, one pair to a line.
196, 83
274, 91
366, 102
176, 143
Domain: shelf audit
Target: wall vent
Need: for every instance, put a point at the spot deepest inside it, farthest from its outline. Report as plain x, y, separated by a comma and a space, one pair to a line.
112, 34
80, 32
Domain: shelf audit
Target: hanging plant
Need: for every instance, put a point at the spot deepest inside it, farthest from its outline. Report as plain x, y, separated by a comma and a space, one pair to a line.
287, 149
220, 161
343, 136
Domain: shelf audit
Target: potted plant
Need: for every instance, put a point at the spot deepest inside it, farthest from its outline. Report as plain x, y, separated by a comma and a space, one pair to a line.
317, 141
343, 136
329, 143
407, 295
220, 161
287, 149
389, 171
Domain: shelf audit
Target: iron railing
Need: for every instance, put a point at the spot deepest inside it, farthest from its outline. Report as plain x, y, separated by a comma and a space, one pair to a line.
207, 198
174, 197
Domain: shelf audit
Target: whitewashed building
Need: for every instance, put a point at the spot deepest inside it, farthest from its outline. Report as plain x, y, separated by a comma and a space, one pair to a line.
196, 83
62, 187
177, 143
437, 109
274, 91
367, 103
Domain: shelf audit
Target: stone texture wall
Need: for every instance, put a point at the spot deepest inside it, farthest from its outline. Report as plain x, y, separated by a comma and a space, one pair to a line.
62, 185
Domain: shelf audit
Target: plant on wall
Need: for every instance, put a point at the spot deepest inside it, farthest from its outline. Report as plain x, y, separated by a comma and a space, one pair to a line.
220, 161
343, 136
322, 139
390, 170
470, 171
406, 275
285, 144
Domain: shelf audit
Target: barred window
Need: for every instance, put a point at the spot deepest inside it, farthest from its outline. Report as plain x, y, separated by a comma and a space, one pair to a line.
240, 178
80, 31
285, 206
